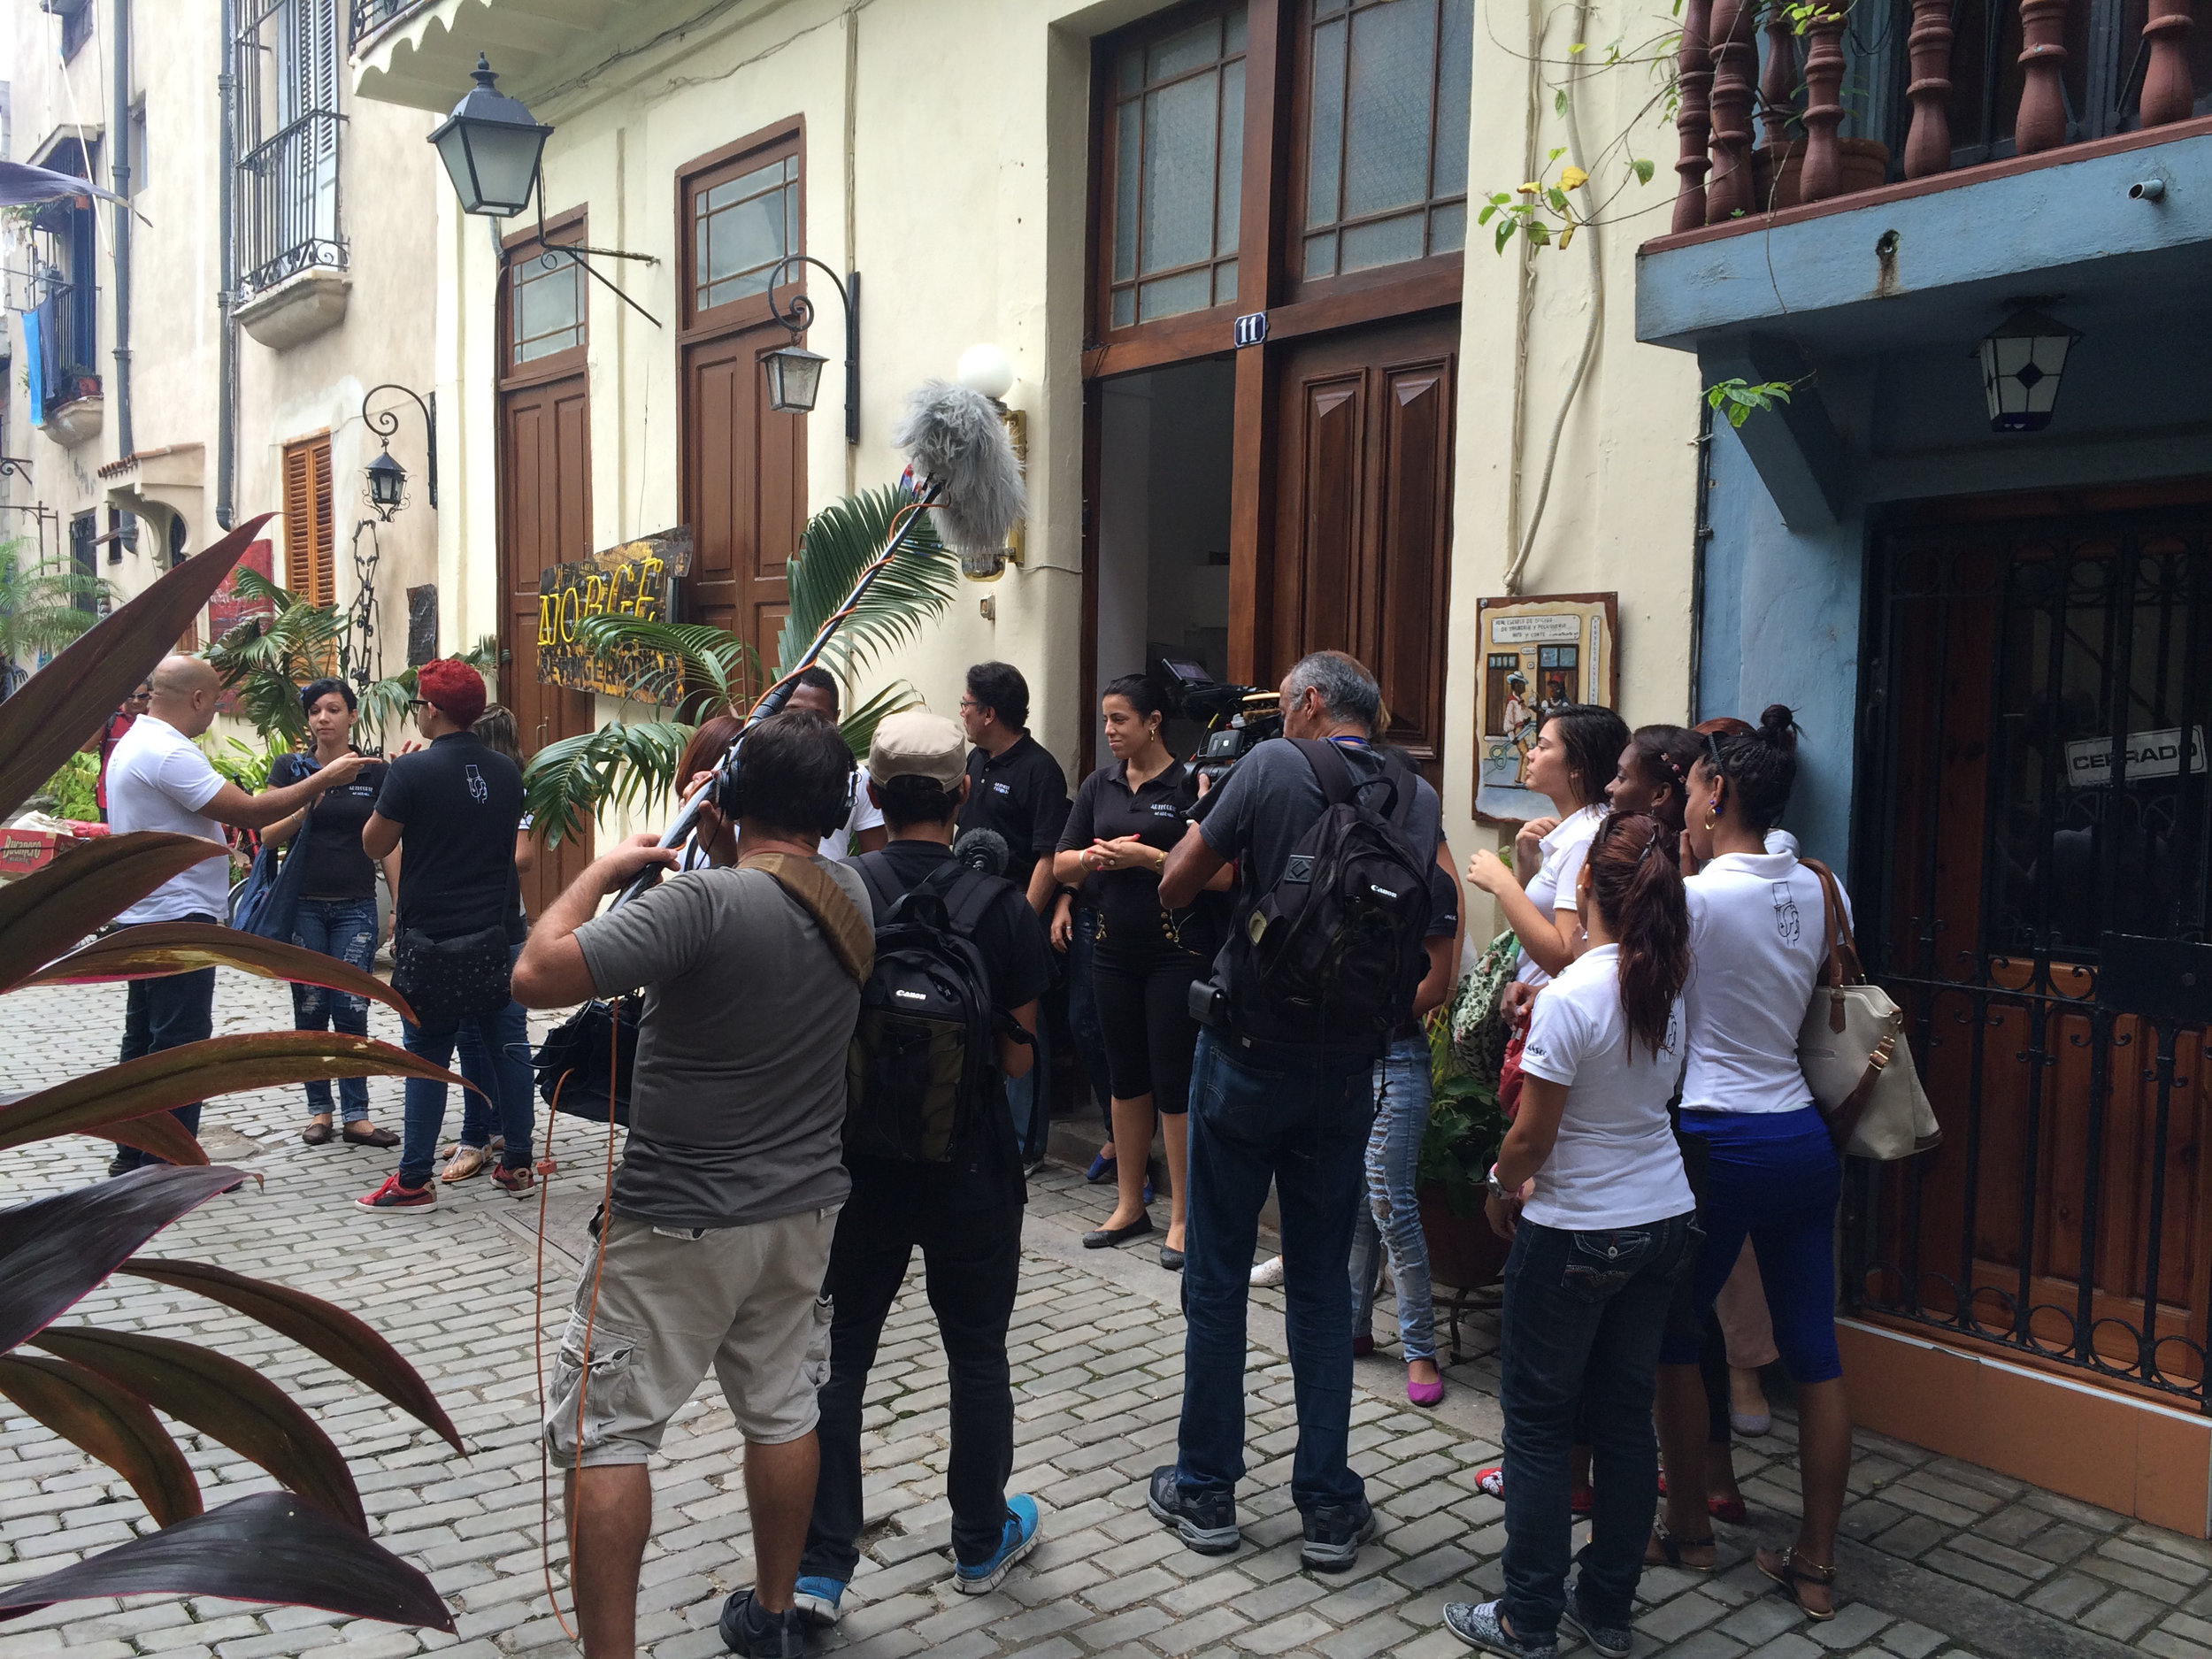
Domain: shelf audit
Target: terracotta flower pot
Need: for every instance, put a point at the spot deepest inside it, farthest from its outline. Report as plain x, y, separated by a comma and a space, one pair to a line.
1464, 1253
1865, 167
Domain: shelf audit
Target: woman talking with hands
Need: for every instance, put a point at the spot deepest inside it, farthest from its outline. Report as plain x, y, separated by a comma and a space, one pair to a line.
1126, 817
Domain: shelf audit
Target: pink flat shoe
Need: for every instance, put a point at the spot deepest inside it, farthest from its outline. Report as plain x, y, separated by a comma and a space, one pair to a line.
1425, 1394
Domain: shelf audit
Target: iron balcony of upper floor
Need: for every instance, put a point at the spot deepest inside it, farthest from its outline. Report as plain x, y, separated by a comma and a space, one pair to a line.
419, 53
2083, 164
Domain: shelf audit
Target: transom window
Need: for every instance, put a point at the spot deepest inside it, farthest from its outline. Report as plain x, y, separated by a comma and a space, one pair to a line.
1177, 138
1385, 175
545, 306
744, 228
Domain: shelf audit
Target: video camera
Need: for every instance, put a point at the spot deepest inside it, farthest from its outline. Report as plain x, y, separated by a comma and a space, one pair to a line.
1236, 718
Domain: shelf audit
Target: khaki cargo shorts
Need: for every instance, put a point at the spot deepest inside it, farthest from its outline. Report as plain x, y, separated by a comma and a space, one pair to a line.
746, 1301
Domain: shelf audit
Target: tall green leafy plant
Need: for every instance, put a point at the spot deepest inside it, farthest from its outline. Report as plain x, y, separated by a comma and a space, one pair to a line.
624, 764
43, 608
99, 1388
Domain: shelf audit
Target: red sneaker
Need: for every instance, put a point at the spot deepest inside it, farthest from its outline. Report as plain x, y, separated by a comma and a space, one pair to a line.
517, 1182
391, 1195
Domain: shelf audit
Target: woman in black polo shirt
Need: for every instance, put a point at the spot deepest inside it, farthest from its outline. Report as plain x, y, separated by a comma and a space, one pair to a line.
1127, 816
337, 906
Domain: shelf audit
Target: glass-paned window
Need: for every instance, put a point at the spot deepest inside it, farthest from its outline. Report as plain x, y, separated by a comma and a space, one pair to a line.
745, 225
1178, 143
1387, 141
545, 306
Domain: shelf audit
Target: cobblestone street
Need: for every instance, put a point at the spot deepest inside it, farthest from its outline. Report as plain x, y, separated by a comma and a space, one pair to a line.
1943, 1559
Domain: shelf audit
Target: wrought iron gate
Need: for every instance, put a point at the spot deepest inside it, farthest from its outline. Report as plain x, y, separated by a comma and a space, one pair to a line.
2033, 862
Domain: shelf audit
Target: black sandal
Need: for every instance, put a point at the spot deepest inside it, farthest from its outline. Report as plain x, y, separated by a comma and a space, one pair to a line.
1671, 1548
1794, 1572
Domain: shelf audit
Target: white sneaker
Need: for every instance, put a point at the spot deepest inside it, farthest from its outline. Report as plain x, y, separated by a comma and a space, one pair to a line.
1269, 1272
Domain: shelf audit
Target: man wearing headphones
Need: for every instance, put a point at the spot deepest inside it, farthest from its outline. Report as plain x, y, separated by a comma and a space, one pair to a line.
716, 1233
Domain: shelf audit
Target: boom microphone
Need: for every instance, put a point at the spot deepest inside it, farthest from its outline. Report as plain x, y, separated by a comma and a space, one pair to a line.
964, 467
983, 849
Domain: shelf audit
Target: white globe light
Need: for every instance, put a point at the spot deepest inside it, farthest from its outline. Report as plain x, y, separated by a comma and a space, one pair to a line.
986, 369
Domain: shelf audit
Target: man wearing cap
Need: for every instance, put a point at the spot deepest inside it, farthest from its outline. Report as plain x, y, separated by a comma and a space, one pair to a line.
964, 1213
451, 812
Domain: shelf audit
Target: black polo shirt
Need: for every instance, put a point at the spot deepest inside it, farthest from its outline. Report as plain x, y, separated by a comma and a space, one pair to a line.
1023, 795
1106, 809
458, 805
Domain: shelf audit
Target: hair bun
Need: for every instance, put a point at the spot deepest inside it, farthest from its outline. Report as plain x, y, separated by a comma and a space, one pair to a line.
1777, 727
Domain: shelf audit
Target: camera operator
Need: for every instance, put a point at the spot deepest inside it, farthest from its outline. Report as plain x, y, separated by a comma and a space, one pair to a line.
1288, 1098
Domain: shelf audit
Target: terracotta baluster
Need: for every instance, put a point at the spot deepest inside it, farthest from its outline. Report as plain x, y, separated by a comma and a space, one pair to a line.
1928, 141
2040, 124
1823, 173
1735, 67
2168, 92
1693, 121
1777, 81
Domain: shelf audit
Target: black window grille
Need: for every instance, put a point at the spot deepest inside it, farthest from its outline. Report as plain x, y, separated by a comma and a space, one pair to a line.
286, 60
84, 558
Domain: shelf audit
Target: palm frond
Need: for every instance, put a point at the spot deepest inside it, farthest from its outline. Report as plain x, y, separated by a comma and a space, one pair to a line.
569, 782
483, 656
707, 661
251, 584
840, 543
384, 703
858, 727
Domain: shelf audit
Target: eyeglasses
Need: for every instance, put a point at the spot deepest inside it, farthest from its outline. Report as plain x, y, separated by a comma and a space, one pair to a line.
415, 703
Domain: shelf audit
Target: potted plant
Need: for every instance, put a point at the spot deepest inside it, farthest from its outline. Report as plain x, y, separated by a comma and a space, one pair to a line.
1466, 1126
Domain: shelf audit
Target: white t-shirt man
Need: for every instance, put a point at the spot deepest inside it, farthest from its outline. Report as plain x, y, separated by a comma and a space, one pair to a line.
158, 779
1615, 1163
1552, 888
1757, 933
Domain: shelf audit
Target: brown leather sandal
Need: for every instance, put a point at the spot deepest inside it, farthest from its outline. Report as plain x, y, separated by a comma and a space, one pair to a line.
1789, 1571
1670, 1548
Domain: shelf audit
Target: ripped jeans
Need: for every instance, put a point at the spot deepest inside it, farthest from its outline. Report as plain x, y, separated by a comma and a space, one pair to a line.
346, 929
1391, 1219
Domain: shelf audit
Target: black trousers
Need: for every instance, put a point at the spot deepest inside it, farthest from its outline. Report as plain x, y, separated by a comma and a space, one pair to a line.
167, 1013
971, 1255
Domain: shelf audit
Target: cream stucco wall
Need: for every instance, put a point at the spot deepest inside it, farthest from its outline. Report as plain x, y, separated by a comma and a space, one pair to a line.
962, 200
388, 182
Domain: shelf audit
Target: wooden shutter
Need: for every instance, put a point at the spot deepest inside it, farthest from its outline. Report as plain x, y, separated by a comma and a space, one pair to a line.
309, 537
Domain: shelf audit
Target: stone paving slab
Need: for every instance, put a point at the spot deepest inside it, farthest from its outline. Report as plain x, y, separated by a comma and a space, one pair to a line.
1942, 1559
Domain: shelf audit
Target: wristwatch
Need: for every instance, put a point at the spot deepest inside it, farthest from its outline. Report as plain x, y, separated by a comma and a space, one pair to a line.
1497, 1188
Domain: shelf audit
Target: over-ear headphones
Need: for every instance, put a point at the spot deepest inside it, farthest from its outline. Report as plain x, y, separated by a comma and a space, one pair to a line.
728, 794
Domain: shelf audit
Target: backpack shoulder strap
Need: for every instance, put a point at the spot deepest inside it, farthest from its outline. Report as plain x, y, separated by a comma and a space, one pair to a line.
967, 897
850, 938
1330, 769
875, 875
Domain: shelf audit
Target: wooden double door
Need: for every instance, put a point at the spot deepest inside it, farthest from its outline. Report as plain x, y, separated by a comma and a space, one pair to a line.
545, 520
1362, 522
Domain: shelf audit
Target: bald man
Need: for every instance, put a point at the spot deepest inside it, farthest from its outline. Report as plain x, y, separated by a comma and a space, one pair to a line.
158, 779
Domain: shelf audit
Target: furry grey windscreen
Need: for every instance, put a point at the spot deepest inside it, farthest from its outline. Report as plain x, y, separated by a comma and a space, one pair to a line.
954, 439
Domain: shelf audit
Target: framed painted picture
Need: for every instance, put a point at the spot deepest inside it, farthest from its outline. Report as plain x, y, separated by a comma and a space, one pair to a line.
1536, 655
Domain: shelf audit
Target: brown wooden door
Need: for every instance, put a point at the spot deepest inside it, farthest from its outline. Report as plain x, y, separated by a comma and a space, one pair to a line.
745, 486
545, 518
1363, 526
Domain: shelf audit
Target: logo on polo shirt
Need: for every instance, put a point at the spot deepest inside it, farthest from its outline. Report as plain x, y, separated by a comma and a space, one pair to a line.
1786, 924
1002, 788
480, 791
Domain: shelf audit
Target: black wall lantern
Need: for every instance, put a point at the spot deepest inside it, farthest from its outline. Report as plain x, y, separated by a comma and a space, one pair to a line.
386, 477
490, 145
2021, 361
794, 373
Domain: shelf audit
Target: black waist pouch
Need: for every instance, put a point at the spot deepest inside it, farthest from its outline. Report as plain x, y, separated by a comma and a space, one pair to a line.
445, 978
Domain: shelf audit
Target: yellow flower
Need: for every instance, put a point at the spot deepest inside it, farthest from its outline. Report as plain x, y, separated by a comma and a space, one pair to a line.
1532, 188
1573, 179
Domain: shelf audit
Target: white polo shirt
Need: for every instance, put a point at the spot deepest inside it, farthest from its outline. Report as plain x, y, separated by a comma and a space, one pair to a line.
1757, 932
1615, 1163
158, 779
1551, 889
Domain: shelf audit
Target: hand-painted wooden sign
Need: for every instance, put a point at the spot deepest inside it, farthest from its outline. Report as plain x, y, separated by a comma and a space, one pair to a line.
636, 578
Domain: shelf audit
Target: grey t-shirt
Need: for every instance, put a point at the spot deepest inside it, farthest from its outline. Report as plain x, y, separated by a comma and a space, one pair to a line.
1272, 798
737, 1100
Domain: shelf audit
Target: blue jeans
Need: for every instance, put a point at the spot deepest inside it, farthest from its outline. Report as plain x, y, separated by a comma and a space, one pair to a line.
1298, 1116
504, 1036
346, 929
165, 1013
1583, 1315
1392, 1216
1090, 1034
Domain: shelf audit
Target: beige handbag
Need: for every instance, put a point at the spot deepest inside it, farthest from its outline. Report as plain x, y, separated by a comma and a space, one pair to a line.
1853, 1050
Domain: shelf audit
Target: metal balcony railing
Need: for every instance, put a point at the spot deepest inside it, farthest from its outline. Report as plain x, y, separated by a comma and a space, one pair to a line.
67, 321
287, 203
371, 15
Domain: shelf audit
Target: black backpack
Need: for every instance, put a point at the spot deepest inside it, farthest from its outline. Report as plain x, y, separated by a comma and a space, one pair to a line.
1334, 951
924, 1058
